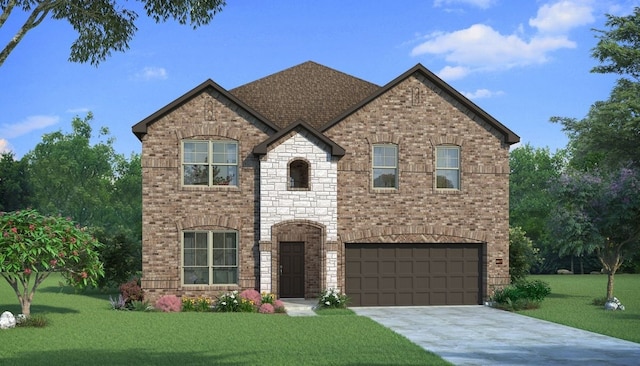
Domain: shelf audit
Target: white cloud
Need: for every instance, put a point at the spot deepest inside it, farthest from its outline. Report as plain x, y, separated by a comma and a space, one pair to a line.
80, 110
483, 4
483, 93
562, 16
31, 123
5, 146
482, 48
152, 73
453, 72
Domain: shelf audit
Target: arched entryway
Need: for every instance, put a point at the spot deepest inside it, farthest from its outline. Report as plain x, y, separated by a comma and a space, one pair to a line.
297, 251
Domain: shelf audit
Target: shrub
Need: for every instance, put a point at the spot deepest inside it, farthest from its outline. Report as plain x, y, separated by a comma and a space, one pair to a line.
521, 295
332, 298
266, 308
199, 304
279, 306
118, 303
252, 295
35, 321
534, 290
140, 306
169, 303
268, 298
228, 302
131, 291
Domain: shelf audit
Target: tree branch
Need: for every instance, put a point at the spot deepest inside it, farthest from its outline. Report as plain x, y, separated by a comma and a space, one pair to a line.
37, 16
6, 12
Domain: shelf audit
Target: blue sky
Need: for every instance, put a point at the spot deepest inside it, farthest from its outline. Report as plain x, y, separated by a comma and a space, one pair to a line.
521, 61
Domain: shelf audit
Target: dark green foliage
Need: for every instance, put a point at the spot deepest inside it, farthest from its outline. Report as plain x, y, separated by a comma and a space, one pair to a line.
522, 254
121, 257
522, 295
15, 188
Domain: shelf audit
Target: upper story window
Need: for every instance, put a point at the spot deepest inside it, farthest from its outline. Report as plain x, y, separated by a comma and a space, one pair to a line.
385, 166
448, 167
210, 257
209, 163
299, 174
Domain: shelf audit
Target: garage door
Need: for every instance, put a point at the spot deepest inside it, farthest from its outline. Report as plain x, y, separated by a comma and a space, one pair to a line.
381, 274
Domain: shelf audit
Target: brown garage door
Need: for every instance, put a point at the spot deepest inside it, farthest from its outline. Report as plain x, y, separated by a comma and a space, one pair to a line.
382, 274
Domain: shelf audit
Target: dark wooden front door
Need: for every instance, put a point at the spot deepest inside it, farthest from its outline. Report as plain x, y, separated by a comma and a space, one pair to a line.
291, 269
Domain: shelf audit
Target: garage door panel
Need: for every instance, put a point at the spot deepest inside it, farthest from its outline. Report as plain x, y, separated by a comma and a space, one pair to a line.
388, 274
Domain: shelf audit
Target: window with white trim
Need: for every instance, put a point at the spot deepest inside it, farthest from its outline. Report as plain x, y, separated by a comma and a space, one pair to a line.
385, 166
448, 167
209, 163
209, 257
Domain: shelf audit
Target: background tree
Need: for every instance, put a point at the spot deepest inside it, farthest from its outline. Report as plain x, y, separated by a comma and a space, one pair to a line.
32, 246
599, 212
15, 188
530, 202
103, 26
71, 176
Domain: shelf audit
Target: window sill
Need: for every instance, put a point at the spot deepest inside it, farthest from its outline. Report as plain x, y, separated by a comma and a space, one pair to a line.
211, 188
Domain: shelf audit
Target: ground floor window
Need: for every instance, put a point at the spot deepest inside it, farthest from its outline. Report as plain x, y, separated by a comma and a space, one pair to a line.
210, 257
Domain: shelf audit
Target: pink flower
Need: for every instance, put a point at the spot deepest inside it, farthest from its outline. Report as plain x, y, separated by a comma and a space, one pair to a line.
14, 230
27, 271
84, 274
266, 308
32, 227
53, 262
252, 295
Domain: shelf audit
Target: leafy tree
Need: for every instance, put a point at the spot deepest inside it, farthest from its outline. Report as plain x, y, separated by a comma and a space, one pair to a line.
530, 202
72, 177
599, 212
121, 256
610, 133
32, 246
15, 189
522, 254
619, 46
103, 26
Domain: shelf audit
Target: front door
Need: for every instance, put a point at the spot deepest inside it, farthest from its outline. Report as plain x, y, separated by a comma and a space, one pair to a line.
292, 269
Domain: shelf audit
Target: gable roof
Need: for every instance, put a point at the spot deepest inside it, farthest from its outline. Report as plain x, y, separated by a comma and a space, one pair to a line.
140, 128
509, 136
310, 92
262, 148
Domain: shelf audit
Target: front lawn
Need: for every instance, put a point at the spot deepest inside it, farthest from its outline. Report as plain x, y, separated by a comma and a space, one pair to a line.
83, 330
570, 303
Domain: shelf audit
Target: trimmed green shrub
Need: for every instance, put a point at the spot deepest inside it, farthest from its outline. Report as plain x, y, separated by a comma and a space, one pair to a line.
521, 295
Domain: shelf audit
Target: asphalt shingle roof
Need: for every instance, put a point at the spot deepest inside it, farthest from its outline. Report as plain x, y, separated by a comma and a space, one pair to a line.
309, 92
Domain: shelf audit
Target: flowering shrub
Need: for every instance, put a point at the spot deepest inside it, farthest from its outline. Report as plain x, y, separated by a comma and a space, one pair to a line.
229, 302
266, 308
279, 306
249, 301
200, 304
169, 303
332, 298
252, 295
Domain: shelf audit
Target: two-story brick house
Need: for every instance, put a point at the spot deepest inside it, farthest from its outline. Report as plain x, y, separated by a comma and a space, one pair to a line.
310, 179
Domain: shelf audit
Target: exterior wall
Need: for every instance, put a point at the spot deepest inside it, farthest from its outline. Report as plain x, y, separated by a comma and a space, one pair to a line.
169, 208
309, 216
417, 117
319, 203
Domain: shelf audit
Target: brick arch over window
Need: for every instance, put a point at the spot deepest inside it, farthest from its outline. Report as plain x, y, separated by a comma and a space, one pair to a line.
415, 234
384, 138
447, 140
220, 221
209, 131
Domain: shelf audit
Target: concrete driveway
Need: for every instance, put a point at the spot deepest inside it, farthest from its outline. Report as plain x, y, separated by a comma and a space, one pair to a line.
479, 335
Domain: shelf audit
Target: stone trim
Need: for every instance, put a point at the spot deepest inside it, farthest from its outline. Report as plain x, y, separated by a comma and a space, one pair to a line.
218, 221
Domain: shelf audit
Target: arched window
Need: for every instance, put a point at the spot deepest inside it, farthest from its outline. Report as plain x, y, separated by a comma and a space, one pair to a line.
299, 174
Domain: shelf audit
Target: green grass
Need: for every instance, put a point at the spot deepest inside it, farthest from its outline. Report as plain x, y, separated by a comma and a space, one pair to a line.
83, 330
571, 303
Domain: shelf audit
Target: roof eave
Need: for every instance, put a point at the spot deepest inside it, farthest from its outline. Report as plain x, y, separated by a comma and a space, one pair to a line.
140, 128
261, 149
509, 136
